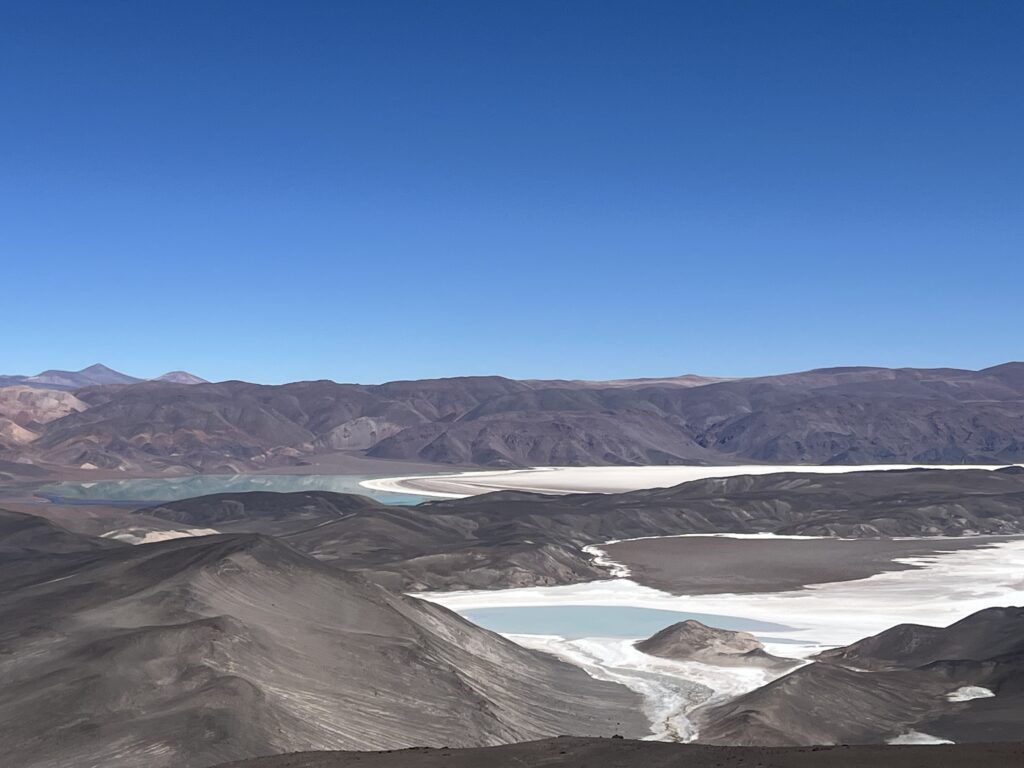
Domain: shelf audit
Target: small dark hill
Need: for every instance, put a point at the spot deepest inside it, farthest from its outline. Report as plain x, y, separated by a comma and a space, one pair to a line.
984, 635
691, 640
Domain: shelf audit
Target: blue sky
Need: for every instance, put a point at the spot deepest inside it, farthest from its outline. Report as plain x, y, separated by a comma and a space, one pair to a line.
379, 190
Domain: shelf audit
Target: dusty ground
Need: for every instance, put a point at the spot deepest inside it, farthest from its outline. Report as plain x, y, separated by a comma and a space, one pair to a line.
567, 752
710, 565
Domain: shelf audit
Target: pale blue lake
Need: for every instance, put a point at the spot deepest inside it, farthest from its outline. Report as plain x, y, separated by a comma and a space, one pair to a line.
576, 621
141, 491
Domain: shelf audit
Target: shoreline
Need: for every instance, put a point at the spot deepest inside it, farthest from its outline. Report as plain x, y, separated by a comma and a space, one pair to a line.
671, 689
937, 589
611, 479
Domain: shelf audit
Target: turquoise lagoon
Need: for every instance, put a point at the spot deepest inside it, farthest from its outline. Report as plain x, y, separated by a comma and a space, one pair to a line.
140, 491
573, 622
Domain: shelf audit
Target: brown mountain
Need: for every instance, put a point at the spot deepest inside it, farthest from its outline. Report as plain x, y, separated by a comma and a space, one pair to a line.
848, 415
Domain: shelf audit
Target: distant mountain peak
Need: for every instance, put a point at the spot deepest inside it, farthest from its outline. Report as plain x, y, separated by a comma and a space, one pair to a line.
181, 377
94, 375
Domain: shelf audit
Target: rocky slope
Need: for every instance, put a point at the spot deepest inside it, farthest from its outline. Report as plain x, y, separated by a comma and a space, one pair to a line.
197, 651
30, 406
964, 682
25, 536
989, 634
404, 548
25, 409
842, 416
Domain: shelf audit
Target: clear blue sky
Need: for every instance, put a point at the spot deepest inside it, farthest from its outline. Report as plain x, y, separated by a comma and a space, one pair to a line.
375, 190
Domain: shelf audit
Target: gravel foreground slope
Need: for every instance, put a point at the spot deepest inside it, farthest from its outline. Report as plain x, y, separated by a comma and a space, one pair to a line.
568, 752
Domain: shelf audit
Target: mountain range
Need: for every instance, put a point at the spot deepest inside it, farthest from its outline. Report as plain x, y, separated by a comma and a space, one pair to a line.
828, 416
94, 376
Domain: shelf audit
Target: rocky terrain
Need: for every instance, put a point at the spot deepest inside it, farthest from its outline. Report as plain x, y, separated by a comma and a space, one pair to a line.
691, 640
286, 632
838, 416
964, 682
622, 753
201, 650
510, 539
405, 548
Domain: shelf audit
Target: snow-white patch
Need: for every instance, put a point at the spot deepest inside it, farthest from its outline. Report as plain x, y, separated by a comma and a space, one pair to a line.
601, 559
916, 737
969, 693
143, 536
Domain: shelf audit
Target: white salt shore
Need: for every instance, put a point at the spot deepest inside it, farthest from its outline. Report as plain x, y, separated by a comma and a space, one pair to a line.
562, 480
917, 738
944, 588
670, 689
